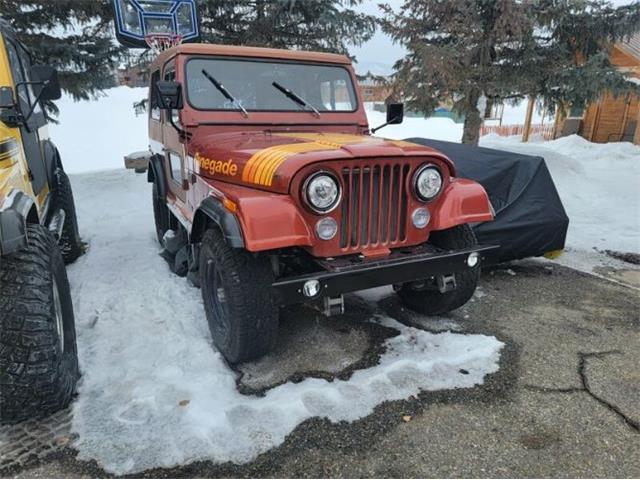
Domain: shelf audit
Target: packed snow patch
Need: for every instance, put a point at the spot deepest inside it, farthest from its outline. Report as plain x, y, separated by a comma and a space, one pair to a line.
154, 391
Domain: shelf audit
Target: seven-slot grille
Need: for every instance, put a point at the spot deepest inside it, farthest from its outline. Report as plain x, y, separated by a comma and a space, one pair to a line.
374, 207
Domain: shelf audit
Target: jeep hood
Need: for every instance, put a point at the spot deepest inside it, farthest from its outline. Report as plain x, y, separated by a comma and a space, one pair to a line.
269, 160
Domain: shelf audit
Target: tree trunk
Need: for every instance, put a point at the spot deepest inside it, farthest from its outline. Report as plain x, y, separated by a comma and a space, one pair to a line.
472, 124
472, 118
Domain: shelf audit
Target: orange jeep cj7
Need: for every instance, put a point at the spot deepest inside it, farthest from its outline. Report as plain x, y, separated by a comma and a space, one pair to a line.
269, 190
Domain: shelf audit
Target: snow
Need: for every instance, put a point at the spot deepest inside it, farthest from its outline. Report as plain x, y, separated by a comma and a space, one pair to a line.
154, 391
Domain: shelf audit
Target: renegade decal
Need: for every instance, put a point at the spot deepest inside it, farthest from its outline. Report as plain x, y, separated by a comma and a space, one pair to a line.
216, 166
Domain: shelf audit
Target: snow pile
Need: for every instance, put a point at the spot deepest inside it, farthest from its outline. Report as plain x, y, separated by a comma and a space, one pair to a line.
97, 134
155, 393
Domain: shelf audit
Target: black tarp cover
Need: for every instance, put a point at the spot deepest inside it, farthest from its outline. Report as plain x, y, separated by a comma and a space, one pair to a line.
530, 219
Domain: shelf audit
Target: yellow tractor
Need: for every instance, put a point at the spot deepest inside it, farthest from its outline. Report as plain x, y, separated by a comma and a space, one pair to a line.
38, 235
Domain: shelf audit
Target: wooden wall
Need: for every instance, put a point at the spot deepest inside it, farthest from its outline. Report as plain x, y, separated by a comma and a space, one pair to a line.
609, 119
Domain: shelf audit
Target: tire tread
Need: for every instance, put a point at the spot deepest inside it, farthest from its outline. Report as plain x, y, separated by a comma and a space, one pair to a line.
248, 281
36, 378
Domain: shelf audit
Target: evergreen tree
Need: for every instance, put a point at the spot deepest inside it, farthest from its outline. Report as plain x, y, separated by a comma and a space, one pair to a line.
327, 25
460, 50
74, 36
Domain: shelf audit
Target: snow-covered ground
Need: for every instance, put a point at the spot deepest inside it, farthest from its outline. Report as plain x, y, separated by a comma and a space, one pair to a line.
156, 393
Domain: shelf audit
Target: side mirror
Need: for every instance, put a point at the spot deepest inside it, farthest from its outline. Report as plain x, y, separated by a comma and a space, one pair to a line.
395, 113
169, 95
47, 77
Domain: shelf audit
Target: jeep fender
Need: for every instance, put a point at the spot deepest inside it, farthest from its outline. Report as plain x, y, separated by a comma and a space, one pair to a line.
463, 201
155, 173
211, 210
15, 212
51, 160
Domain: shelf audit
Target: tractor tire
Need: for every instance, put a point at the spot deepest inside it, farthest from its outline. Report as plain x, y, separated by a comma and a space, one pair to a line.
70, 243
236, 290
38, 354
433, 302
161, 213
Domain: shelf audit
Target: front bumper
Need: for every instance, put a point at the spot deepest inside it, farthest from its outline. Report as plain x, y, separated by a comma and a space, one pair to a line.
354, 273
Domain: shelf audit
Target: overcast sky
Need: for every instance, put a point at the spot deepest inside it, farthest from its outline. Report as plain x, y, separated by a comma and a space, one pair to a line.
380, 53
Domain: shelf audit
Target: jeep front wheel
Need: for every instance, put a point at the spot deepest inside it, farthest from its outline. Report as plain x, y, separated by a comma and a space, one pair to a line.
38, 356
236, 290
426, 298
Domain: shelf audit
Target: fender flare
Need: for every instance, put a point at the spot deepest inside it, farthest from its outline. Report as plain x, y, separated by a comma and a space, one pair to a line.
463, 201
14, 215
155, 173
51, 160
212, 210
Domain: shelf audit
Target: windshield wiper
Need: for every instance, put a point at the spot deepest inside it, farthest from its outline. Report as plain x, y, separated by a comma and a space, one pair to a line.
296, 98
224, 92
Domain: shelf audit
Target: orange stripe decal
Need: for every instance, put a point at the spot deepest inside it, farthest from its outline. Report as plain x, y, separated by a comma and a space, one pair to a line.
262, 166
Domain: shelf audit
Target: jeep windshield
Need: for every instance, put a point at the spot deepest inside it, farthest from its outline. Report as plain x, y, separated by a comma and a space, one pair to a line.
324, 88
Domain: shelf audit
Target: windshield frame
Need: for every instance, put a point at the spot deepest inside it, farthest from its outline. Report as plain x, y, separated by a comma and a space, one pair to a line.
354, 85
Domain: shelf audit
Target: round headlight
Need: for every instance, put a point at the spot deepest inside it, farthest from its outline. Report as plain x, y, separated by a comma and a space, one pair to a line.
323, 192
428, 182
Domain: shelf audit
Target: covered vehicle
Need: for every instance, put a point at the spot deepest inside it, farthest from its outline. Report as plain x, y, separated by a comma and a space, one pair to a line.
530, 220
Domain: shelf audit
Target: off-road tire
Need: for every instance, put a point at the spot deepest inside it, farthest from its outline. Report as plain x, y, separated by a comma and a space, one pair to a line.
37, 376
432, 302
248, 328
161, 213
70, 243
